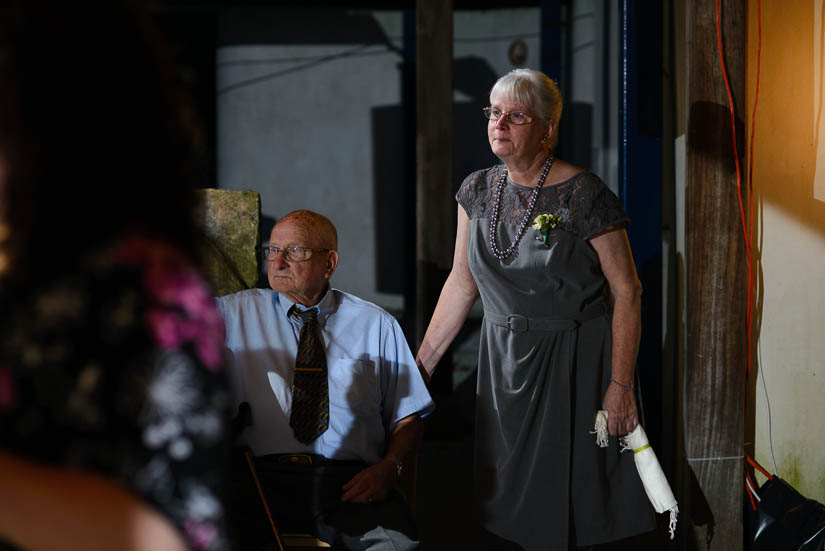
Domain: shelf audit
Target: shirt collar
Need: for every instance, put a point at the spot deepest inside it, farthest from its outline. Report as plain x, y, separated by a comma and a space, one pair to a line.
325, 306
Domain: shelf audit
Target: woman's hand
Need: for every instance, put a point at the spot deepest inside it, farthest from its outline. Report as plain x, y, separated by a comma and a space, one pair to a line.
622, 414
457, 298
617, 265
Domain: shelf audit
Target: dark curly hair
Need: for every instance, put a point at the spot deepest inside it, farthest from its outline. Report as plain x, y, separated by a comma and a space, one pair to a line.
98, 138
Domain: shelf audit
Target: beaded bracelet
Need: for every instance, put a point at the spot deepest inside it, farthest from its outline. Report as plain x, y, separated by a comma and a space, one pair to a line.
625, 387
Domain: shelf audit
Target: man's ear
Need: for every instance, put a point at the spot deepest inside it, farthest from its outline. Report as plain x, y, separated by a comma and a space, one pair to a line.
332, 263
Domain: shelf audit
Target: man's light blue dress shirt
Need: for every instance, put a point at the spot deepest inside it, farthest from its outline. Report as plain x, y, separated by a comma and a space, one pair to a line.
373, 379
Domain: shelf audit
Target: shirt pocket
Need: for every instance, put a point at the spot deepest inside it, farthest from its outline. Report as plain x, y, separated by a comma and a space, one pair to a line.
354, 385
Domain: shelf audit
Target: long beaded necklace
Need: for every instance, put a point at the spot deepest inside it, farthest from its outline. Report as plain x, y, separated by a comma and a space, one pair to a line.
522, 227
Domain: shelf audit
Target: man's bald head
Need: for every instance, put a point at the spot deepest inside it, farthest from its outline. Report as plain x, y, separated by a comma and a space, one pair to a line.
318, 227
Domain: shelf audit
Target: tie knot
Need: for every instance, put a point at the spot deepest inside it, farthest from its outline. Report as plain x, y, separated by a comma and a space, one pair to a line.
310, 315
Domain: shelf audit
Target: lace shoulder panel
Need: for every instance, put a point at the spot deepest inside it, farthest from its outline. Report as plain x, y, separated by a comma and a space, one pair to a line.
476, 192
584, 203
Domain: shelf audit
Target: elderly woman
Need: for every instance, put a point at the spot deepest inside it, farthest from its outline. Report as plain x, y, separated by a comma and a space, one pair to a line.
543, 243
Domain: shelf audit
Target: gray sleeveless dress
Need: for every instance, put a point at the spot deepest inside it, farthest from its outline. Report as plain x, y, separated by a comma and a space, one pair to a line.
543, 369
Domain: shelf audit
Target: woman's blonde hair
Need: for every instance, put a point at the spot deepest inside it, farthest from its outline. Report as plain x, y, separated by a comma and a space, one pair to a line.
537, 92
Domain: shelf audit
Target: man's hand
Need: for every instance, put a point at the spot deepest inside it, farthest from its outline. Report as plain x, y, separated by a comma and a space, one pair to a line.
622, 415
375, 482
371, 485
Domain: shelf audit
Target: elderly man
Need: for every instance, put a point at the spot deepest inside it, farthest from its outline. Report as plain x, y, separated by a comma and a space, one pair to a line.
335, 395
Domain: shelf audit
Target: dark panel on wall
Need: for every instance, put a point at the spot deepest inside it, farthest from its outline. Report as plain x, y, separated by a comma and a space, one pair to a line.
576, 134
393, 243
474, 77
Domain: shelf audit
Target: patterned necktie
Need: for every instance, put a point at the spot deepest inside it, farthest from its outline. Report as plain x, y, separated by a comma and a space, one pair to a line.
309, 417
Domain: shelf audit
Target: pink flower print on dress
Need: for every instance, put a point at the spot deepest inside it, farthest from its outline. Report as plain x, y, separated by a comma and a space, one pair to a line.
203, 324
207, 333
165, 327
209, 351
199, 534
211, 337
190, 313
180, 287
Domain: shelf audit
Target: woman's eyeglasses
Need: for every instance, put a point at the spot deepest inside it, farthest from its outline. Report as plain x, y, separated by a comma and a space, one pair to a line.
514, 117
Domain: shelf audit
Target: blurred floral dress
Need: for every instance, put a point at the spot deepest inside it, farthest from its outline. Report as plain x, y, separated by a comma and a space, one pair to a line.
116, 369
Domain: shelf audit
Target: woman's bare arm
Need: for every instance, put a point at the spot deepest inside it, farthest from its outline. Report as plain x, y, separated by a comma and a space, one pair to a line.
617, 265
457, 298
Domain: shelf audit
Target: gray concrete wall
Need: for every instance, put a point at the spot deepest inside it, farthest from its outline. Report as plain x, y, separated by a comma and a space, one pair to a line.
309, 116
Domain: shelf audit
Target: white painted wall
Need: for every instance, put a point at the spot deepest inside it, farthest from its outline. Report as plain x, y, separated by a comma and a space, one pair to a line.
791, 352
789, 241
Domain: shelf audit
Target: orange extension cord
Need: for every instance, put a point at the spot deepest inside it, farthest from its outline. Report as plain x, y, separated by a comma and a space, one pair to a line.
746, 231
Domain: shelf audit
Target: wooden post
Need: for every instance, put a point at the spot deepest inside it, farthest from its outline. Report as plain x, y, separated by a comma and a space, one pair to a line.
716, 348
435, 206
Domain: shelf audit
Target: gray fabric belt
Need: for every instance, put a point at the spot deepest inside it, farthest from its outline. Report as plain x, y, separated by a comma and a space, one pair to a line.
521, 324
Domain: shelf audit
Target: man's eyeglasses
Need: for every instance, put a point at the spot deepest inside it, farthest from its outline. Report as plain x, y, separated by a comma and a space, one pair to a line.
514, 117
291, 254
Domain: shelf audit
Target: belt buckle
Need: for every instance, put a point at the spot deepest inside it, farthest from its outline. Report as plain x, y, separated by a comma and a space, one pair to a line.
299, 458
517, 323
